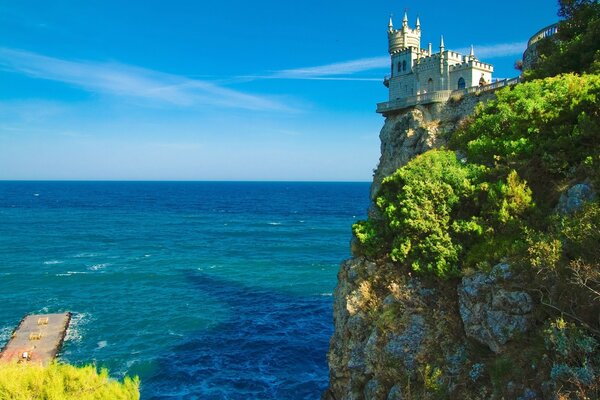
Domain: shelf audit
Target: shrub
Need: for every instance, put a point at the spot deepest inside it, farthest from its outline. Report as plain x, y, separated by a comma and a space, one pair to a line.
542, 128
61, 381
437, 208
574, 356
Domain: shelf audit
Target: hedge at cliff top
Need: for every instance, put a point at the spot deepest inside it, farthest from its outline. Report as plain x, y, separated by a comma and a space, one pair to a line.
437, 208
61, 381
546, 129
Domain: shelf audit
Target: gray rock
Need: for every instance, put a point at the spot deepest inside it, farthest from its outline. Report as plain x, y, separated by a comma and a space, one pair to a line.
374, 390
395, 393
406, 346
357, 357
574, 198
491, 313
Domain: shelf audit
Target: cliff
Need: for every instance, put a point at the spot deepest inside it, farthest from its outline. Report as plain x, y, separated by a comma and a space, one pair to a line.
482, 333
388, 324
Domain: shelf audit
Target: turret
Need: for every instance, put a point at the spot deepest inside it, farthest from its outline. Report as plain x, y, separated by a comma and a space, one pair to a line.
400, 39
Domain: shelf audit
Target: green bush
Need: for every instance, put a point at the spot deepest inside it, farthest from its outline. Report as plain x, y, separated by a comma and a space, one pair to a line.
548, 129
61, 382
437, 208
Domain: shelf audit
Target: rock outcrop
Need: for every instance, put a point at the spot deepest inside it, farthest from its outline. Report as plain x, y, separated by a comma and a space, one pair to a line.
492, 311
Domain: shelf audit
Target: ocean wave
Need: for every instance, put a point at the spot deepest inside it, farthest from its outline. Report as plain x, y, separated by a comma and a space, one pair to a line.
5, 333
86, 255
97, 267
102, 344
69, 273
274, 223
53, 262
76, 326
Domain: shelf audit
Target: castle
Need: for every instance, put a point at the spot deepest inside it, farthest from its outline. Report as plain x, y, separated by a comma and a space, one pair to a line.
420, 76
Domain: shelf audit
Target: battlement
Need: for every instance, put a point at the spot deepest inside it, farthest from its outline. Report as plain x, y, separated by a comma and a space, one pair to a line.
472, 64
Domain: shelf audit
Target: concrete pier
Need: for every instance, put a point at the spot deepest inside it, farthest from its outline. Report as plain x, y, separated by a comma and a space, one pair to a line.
37, 339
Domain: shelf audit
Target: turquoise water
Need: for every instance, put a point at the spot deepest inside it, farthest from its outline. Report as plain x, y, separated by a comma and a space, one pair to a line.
204, 290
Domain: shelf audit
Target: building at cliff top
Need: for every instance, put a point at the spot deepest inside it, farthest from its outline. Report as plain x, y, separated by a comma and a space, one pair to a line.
421, 76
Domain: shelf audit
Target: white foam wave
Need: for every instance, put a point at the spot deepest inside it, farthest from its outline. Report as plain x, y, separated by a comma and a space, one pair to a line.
53, 262
85, 255
97, 267
274, 223
326, 294
102, 344
5, 333
69, 273
78, 321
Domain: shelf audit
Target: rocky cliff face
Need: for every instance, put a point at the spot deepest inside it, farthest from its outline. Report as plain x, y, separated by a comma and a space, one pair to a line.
401, 337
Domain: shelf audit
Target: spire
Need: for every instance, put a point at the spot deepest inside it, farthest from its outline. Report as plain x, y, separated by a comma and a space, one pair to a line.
442, 44
391, 24
472, 53
405, 19
430, 50
418, 26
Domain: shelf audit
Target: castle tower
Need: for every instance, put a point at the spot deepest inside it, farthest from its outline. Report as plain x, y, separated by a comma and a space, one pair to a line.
405, 51
405, 37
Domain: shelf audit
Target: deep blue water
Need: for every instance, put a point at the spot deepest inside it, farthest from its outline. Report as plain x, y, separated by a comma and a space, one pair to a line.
204, 290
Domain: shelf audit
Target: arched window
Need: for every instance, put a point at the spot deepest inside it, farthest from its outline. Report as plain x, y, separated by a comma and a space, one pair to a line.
404, 65
461, 83
430, 85
399, 67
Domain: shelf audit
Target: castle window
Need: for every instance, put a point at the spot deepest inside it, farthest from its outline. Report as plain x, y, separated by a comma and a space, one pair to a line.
399, 67
461, 83
404, 65
430, 85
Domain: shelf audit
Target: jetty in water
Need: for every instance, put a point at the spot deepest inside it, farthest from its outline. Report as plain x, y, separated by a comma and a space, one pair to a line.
37, 339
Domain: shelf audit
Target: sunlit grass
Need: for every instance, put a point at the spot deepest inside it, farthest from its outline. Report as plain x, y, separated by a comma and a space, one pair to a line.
63, 382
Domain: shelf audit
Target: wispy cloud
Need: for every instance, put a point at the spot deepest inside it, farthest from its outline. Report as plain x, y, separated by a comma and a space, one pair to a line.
334, 70
348, 70
496, 50
125, 80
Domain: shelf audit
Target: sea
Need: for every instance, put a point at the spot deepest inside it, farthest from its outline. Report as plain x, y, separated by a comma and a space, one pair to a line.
205, 290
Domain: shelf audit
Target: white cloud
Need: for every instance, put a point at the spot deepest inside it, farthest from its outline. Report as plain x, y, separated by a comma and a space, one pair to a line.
496, 50
125, 80
346, 70
331, 70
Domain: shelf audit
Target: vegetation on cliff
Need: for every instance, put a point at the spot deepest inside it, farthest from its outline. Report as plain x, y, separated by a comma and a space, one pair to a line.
62, 381
517, 185
576, 45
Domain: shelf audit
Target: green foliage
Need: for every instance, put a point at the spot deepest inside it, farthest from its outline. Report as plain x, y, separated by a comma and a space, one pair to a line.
437, 208
432, 379
582, 233
417, 203
547, 129
61, 381
574, 354
575, 47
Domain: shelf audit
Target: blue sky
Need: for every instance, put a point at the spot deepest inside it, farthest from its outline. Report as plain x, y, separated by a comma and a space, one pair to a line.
207, 90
